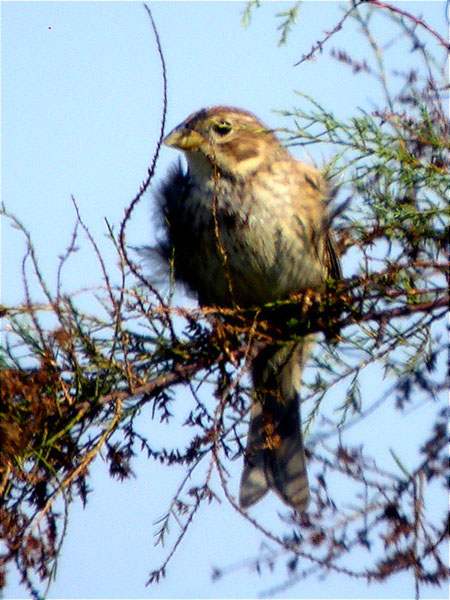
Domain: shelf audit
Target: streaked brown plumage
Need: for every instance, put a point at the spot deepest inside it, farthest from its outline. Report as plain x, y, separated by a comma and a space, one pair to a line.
245, 225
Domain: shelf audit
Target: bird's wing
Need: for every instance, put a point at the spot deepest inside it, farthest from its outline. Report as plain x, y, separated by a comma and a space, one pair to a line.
332, 258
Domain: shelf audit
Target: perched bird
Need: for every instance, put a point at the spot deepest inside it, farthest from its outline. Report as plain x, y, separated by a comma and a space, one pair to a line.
245, 225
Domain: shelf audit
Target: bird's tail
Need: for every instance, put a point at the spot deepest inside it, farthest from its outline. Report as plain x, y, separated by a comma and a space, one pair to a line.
275, 457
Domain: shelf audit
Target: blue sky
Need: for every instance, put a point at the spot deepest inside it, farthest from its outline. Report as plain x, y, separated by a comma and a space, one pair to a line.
81, 111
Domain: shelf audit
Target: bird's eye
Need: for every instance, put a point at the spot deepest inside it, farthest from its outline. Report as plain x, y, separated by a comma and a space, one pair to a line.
222, 127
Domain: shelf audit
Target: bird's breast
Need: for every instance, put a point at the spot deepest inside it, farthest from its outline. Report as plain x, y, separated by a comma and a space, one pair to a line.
249, 247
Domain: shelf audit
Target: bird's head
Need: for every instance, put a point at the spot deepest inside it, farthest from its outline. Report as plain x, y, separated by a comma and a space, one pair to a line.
230, 139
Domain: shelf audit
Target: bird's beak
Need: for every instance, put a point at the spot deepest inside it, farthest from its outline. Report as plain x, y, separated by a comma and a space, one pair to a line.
184, 138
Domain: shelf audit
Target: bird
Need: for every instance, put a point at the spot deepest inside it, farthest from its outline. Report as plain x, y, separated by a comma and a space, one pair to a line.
246, 224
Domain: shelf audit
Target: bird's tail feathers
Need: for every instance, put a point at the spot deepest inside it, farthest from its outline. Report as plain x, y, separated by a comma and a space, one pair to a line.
275, 457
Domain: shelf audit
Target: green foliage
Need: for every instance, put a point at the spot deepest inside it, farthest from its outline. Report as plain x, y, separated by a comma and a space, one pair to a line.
289, 18
247, 13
